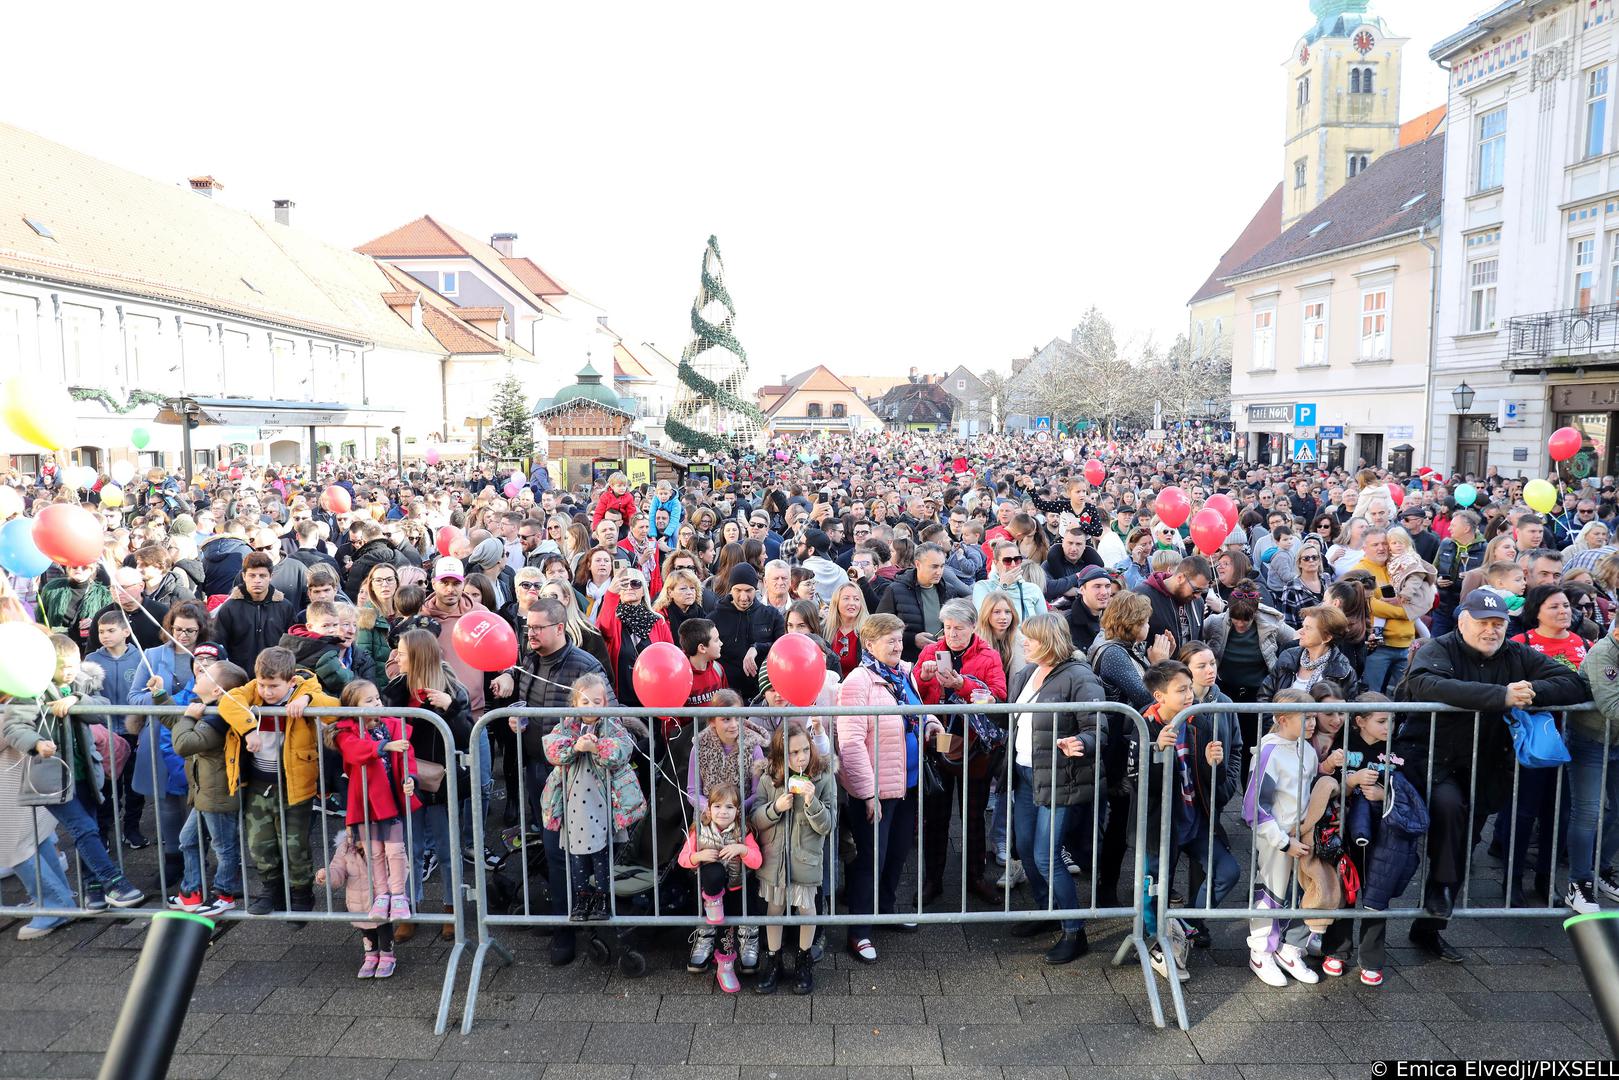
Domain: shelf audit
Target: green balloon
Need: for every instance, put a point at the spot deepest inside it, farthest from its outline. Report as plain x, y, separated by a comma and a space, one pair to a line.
140, 437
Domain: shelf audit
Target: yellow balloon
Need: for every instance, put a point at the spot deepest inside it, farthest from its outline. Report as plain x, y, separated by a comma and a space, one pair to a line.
112, 495
37, 411
1540, 496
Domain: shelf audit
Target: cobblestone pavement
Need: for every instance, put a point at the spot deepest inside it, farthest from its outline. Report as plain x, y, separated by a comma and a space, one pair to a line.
948, 1001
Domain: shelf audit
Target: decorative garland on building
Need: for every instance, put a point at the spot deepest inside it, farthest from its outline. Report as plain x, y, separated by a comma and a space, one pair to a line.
709, 398
137, 398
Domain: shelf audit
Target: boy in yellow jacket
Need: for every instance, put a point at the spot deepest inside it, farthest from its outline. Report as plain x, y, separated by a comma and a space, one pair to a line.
278, 774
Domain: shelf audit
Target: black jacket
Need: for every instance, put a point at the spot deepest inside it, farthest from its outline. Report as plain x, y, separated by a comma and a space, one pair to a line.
1084, 625
222, 564
1074, 782
1164, 616
545, 682
291, 577
1062, 575
903, 598
426, 740
316, 557
376, 552
756, 628
1447, 670
1452, 562
147, 627
1338, 669
247, 627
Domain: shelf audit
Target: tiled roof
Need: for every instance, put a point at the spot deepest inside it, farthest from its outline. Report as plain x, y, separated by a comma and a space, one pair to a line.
1261, 229
442, 319
1415, 130
537, 281
1397, 193
399, 299
424, 236
456, 336
482, 313
117, 231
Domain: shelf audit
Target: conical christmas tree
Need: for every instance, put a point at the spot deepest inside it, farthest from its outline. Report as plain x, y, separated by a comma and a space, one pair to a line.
711, 413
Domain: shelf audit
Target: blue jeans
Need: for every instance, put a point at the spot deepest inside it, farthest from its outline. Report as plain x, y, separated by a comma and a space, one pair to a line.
225, 835
52, 889
888, 850
1587, 793
430, 828
78, 816
1225, 872
1384, 668
1038, 832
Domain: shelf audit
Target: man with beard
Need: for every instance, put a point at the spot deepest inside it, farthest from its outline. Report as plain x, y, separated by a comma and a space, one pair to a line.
1476, 668
747, 628
1177, 600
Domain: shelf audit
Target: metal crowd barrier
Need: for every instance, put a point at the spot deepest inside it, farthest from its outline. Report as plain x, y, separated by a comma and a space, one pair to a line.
334, 912
558, 917
1475, 812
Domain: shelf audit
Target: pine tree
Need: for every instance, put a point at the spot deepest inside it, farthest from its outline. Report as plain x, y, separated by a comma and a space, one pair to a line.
710, 413
512, 435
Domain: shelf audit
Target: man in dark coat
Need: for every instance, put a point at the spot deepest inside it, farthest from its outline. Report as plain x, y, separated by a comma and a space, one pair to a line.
1474, 668
255, 616
1064, 564
1177, 600
748, 627
916, 596
221, 557
1085, 616
372, 550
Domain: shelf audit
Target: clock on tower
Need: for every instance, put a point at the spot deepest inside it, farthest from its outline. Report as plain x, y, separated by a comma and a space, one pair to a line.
1363, 42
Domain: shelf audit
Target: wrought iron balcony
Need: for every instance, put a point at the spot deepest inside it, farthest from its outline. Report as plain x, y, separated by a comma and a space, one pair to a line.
1563, 336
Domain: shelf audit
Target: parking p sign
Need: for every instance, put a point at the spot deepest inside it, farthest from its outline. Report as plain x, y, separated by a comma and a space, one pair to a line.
1304, 415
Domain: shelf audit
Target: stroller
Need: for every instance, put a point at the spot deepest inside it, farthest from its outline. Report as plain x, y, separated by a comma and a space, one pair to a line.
636, 868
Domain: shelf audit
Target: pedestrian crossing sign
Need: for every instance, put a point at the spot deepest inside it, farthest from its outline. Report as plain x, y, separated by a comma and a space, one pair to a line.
1304, 451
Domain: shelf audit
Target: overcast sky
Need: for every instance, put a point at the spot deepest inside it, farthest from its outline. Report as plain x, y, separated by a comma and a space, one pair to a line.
891, 183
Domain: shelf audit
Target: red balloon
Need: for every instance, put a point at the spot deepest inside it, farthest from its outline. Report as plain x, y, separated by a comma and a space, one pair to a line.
485, 641
797, 669
1564, 443
69, 535
1172, 507
335, 500
1226, 507
1094, 472
662, 676
446, 538
1209, 531
1397, 493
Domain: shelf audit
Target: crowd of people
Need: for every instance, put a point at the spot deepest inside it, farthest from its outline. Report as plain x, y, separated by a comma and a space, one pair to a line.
930, 571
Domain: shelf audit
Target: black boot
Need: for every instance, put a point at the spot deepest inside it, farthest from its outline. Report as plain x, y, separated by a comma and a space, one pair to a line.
769, 973
580, 910
1069, 947
804, 973
174, 869
599, 906
268, 899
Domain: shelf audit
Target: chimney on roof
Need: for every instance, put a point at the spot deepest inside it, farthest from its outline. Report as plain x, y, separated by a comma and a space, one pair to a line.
205, 186
914, 376
283, 211
502, 242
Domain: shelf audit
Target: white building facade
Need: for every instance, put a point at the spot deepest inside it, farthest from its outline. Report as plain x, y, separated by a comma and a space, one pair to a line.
1527, 334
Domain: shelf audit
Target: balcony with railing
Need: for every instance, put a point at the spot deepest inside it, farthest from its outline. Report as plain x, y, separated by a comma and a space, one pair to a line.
1576, 337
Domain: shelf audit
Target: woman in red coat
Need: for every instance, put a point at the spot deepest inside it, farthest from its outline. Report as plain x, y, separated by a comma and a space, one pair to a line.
381, 767
959, 667
628, 626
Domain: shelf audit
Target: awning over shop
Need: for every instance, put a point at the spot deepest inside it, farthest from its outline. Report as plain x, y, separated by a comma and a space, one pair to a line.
267, 420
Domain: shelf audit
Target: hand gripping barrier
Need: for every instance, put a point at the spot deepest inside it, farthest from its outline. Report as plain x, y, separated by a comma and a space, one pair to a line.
643, 897
186, 835
1275, 889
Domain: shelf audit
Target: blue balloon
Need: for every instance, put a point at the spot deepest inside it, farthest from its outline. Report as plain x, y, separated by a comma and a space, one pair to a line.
1466, 495
18, 552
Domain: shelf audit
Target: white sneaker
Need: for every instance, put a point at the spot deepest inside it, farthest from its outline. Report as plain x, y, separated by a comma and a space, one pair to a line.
1579, 898
1292, 961
34, 933
1013, 875
1263, 964
1161, 966
1608, 884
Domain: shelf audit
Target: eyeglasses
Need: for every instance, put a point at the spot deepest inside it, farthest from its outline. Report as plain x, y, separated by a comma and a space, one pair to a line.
533, 626
1586, 511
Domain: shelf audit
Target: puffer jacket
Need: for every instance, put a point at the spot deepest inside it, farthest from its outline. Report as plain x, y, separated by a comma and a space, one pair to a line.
1338, 669
979, 661
300, 751
793, 842
871, 748
321, 655
903, 599
1075, 780
349, 871
247, 627
201, 746
25, 730
1393, 858
372, 553
1274, 634
615, 756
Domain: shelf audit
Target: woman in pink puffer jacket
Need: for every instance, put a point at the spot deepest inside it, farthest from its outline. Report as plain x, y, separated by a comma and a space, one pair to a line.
880, 755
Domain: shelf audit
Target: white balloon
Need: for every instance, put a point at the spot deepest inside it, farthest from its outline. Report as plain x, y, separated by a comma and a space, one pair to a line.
10, 502
121, 472
1068, 455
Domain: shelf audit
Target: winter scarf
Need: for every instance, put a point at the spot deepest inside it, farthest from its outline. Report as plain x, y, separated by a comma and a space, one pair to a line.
710, 838
715, 766
637, 620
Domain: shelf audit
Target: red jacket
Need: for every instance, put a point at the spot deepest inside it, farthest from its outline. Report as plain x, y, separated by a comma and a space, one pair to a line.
980, 661
607, 622
609, 501
361, 756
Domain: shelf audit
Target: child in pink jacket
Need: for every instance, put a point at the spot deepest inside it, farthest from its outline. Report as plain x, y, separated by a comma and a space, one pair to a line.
351, 870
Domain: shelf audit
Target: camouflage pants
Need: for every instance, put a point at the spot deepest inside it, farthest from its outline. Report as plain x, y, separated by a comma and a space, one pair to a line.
261, 817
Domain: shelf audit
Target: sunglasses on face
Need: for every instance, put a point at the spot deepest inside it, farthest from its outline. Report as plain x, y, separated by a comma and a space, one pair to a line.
529, 586
1011, 560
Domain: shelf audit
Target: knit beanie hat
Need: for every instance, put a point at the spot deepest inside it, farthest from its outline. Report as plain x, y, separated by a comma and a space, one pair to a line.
743, 574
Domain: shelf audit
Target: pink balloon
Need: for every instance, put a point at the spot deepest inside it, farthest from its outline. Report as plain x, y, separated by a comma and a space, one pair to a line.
433, 457
511, 489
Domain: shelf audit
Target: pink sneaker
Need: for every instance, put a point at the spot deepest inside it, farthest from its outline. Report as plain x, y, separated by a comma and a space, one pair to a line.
369, 967
385, 965
725, 972
379, 908
714, 908
398, 909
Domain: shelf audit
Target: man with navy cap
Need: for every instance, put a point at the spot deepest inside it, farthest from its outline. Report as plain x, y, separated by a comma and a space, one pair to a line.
1096, 588
1475, 668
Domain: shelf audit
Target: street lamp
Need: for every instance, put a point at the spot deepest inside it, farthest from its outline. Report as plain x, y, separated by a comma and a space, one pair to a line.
399, 450
1208, 406
1463, 397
